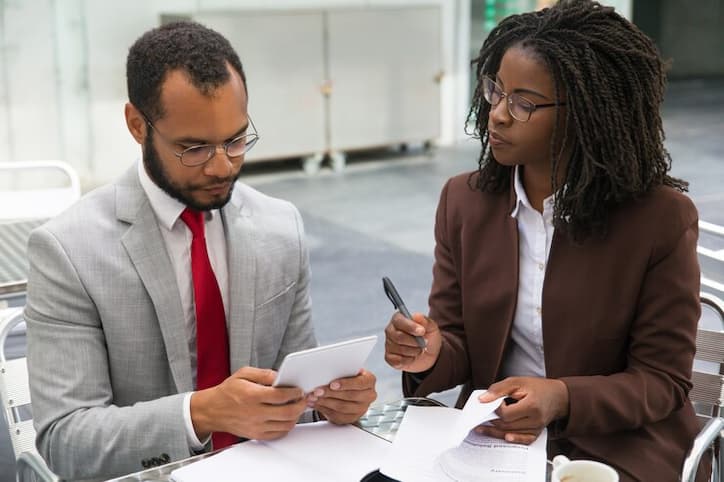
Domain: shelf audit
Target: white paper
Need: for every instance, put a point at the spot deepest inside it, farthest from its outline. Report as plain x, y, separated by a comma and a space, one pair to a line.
473, 414
436, 444
484, 458
313, 451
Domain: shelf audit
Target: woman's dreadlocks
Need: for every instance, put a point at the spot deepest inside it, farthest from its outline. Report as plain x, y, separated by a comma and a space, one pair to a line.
613, 78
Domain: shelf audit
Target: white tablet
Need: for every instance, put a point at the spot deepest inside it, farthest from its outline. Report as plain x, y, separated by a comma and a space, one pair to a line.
309, 369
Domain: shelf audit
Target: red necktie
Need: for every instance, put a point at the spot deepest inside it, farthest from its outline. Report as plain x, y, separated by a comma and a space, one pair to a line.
212, 341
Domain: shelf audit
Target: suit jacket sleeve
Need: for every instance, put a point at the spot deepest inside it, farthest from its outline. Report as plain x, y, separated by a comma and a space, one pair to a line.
70, 386
661, 343
453, 365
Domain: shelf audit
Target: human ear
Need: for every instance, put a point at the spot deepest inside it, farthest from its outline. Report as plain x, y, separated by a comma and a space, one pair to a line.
135, 122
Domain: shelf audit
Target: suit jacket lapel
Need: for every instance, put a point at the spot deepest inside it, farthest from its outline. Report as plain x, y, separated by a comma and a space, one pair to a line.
241, 246
145, 246
506, 249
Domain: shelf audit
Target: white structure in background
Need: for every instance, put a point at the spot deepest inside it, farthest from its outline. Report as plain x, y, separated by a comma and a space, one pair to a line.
62, 81
36, 190
337, 80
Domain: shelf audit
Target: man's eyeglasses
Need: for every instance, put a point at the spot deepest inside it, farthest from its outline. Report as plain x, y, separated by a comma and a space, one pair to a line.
202, 153
519, 107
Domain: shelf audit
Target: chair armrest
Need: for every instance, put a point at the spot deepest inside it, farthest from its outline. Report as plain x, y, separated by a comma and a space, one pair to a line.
708, 435
36, 463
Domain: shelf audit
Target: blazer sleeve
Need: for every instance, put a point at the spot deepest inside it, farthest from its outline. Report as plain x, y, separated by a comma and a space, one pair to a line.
80, 431
453, 365
661, 344
299, 333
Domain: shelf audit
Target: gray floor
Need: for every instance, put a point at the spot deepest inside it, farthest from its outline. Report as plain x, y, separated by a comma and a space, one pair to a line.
376, 220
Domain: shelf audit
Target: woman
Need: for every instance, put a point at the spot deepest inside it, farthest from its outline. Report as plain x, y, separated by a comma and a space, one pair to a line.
565, 274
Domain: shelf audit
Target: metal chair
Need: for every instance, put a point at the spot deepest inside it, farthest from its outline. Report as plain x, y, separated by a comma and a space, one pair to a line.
711, 258
31, 192
15, 398
707, 394
26, 190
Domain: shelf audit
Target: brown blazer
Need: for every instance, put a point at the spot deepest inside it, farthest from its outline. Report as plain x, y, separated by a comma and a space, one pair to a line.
619, 322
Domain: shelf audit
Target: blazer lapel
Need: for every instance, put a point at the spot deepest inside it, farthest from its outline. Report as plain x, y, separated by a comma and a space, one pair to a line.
499, 280
241, 248
507, 258
145, 246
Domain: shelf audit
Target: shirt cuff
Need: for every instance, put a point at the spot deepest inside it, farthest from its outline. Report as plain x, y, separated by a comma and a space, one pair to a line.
194, 443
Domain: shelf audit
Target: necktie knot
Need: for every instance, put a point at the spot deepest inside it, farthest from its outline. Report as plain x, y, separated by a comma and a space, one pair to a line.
195, 221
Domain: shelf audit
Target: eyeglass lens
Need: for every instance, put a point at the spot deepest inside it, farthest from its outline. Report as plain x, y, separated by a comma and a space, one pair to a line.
519, 107
200, 154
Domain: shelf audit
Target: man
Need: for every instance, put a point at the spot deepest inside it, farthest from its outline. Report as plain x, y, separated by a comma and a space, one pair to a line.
159, 305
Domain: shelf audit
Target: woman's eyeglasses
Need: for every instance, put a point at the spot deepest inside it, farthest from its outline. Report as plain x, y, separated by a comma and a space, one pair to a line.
519, 107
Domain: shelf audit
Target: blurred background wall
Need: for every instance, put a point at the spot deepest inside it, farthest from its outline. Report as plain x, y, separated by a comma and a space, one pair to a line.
62, 71
689, 34
391, 70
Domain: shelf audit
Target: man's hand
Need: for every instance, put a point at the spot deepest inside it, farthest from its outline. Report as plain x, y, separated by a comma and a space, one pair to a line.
247, 406
401, 349
539, 401
345, 400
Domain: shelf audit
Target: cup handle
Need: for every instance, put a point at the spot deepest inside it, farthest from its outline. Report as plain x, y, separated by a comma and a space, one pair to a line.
560, 460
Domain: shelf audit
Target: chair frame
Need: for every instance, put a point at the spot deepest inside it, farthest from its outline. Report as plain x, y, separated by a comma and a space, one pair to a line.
14, 394
711, 257
45, 197
708, 390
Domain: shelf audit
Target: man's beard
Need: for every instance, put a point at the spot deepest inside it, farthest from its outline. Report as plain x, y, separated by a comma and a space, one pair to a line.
158, 175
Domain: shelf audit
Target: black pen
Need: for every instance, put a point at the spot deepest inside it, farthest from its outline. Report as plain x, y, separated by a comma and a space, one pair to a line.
394, 297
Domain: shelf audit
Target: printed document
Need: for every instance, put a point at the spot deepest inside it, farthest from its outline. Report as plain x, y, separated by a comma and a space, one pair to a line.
438, 444
317, 451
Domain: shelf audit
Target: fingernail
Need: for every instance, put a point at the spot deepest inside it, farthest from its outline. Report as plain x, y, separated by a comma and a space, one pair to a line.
419, 331
318, 392
479, 430
509, 438
334, 385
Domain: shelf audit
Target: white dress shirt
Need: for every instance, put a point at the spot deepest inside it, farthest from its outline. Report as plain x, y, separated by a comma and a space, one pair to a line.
525, 356
177, 238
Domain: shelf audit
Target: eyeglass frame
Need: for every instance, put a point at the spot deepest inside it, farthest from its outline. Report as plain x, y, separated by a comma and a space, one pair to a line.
510, 97
224, 145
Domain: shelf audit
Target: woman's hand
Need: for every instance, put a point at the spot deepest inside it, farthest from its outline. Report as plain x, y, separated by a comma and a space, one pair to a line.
401, 349
539, 401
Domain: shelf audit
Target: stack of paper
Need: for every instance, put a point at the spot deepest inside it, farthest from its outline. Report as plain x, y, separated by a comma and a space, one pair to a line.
436, 444
313, 451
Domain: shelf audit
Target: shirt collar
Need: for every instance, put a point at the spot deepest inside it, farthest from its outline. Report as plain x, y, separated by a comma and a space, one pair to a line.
166, 208
521, 198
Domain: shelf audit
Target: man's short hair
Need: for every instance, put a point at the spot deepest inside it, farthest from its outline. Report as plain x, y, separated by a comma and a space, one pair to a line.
202, 53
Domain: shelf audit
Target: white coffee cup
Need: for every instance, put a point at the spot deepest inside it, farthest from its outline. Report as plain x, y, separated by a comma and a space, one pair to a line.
565, 470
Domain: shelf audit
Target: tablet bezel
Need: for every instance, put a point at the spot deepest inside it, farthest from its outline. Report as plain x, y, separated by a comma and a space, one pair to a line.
315, 367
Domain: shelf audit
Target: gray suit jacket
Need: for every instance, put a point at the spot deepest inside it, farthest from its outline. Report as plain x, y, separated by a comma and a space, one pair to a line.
108, 356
